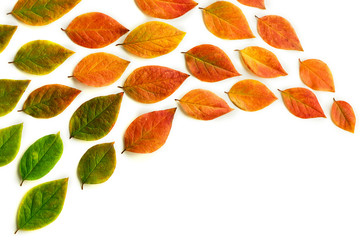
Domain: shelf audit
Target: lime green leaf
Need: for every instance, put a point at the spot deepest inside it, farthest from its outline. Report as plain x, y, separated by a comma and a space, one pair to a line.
6, 32
10, 94
10, 139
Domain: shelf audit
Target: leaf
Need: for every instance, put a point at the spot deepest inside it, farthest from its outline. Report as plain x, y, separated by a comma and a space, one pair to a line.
41, 157
95, 118
149, 132
41, 57
6, 33
165, 9
316, 75
153, 39
262, 62
10, 139
38, 13
302, 103
49, 100
253, 3
10, 94
97, 164
95, 30
41, 205
343, 116
203, 105
278, 32
100, 69
209, 63
226, 21
151, 84
251, 95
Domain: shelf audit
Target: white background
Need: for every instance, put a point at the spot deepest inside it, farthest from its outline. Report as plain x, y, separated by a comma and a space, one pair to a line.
249, 176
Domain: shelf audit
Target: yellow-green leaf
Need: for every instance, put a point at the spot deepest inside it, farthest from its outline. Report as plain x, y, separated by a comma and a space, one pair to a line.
10, 94
6, 32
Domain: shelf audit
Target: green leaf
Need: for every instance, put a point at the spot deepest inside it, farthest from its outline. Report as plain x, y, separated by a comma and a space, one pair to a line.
41, 157
41, 57
41, 205
95, 118
97, 164
6, 32
38, 13
49, 100
10, 139
10, 94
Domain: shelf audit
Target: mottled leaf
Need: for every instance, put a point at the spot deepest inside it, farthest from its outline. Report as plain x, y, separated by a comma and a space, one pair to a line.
6, 33
151, 84
343, 116
278, 32
317, 75
262, 62
149, 132
302, 103
41, 157
41, 57
226, 21
203, 105
41, 205
165, 9
253, 3
251, 95
10, 94
95, 30
97, 164
209, 63
10, 139
49, 100
38, 13
153, 39
100, 69
95, 118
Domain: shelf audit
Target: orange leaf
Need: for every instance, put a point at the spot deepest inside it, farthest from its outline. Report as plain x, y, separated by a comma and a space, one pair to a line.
302, 103
203, 105
209, 63
151, 84
343, 116
226, 21
153, 39
262, 62
100, 69
251, 95
149, 132
165, 9
253, 3
317, 75
278, 32
94, 30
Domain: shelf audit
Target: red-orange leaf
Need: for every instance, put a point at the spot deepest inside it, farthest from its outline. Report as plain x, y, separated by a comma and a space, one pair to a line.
149, 132
251, 95
278, 32
343, 116
226, 21
302, 103
100, 69
253, 3
262, 62
203, 105
95, 30
209, 63
151, 84
165, 9
317, 75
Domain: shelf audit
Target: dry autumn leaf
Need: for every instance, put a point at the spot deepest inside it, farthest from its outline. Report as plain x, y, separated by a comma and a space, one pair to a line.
6, 33
209, 63
203, 105
95, 30
100, 69
251, 95
343, 116
226, 21
253, 3
278, 32
302, 103
165, 9
316, 75
262, 62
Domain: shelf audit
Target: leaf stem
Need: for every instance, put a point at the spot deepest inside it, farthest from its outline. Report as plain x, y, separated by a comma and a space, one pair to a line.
22, 182
119, 44
82, 186
71, 76
121, 87
9, 13
123, 151
63, 29
16, 231
11, 62
21, 110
